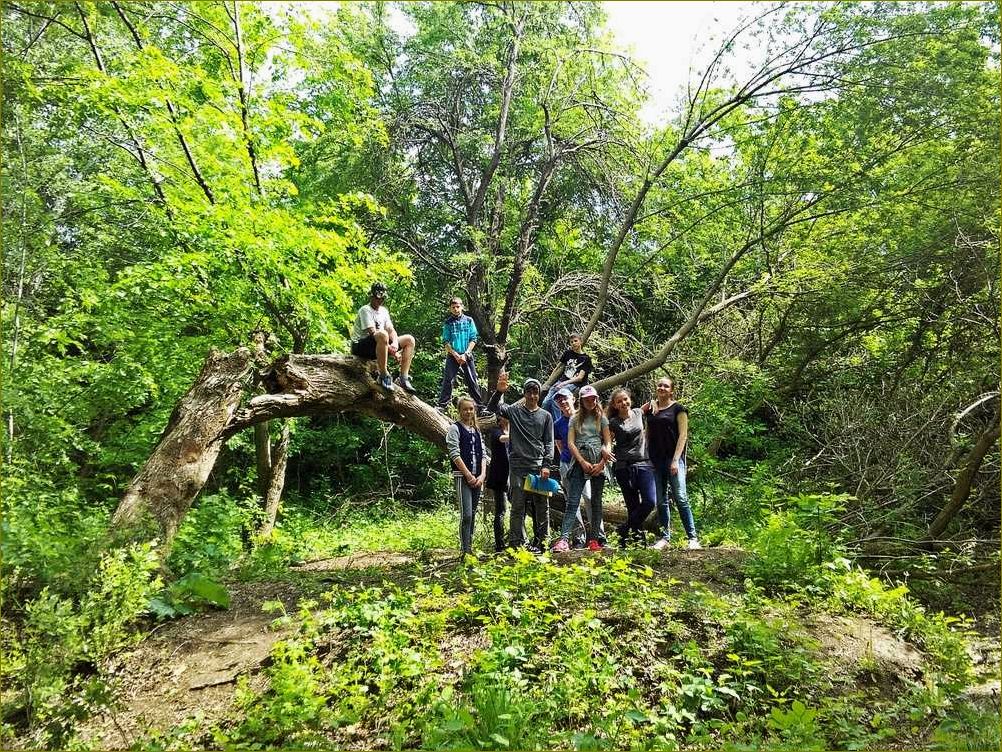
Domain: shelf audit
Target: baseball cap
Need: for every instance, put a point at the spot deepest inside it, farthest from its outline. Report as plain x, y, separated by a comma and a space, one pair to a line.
588, 391
531, 382
378, 290
564, 392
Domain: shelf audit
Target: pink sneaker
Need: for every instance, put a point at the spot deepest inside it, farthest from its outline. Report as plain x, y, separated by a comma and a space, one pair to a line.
560, 546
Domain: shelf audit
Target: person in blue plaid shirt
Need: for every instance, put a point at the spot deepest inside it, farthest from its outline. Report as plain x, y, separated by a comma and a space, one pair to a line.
459, 333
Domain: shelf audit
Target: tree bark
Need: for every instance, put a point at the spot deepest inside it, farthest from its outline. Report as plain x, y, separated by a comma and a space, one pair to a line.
262, 458
210, 413
962, 488
276, 484
165, 487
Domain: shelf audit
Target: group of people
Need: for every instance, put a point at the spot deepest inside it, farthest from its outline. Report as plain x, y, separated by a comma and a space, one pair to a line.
643, 448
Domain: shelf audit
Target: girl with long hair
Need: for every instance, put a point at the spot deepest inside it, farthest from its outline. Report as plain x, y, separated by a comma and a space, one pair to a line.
470, 457
633, 468
668, 438
589, 440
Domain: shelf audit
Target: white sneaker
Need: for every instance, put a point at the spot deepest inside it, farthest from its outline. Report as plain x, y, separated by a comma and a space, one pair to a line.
660, 543
694, 544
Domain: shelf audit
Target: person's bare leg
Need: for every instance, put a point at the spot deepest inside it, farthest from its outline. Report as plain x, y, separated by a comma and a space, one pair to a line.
382, 341
406, 343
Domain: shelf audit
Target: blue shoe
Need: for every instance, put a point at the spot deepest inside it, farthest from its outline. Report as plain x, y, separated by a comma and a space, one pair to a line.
386, 381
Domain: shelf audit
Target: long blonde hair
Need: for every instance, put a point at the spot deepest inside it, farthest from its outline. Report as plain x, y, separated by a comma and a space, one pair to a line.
459, 409
583, 412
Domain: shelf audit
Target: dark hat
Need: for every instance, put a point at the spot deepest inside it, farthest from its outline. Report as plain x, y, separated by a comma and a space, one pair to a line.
378, 290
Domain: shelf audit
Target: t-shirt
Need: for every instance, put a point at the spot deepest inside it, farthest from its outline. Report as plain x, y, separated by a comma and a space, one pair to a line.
662, 434
560, 426
588, 437
631, 439
574, 362
497, 471
369, 317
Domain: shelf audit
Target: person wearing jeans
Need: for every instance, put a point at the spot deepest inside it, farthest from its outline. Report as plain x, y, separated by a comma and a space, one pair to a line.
576, 367
459, 337
565, 401
470, 458
589, 441
633, 468
667, 437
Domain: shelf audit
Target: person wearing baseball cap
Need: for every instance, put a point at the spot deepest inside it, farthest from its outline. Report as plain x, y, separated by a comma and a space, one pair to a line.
374, 338
530, 450
564, 400
590, 443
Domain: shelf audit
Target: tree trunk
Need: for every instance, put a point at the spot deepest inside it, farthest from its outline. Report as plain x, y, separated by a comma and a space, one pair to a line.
165, 487
276, 483
262, 457
962, 488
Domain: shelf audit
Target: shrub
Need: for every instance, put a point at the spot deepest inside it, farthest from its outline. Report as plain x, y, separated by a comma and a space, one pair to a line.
55, 665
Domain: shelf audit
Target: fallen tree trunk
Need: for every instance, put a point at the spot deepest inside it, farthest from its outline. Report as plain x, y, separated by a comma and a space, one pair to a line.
164, 489
210, 413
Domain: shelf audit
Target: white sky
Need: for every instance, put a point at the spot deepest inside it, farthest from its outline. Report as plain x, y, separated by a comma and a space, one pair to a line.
670, 37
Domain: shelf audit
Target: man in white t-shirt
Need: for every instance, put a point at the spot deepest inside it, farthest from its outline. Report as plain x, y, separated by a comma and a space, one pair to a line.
373, 338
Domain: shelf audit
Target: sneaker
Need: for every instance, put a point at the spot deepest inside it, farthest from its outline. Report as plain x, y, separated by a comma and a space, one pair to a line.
386, 381
694, 544
483, 412
533, 547
561, 546
440, 410
406, 385
660, 543
579, 543
594, 545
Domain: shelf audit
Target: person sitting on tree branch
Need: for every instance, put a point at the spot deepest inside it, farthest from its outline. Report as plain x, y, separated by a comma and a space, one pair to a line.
576, 366
374, 338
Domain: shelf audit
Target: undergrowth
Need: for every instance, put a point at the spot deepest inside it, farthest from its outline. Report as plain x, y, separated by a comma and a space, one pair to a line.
526, 653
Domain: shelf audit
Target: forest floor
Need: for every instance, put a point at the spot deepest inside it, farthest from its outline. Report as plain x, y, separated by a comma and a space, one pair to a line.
187, 670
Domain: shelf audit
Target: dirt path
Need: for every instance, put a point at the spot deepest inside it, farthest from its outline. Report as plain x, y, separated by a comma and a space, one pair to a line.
191, 665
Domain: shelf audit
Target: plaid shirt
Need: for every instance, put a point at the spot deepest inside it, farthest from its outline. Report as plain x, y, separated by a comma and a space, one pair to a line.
459, 332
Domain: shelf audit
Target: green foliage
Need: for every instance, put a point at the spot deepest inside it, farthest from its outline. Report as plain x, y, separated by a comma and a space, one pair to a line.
54, 667
187, 595
213, 533
526, 654
940, 635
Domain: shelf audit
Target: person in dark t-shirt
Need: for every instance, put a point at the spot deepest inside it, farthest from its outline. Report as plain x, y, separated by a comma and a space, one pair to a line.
576, 367
667, 440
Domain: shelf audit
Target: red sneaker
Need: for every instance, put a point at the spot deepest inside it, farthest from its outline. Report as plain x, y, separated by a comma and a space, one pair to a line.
594, 545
